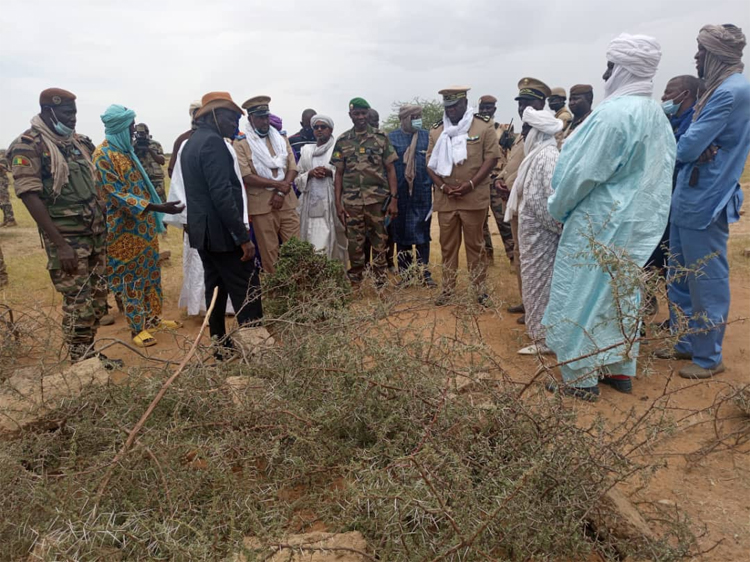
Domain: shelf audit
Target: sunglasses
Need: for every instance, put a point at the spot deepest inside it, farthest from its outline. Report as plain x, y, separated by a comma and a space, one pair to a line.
320, 127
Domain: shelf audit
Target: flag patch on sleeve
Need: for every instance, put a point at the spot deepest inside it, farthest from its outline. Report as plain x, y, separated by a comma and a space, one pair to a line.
21, 161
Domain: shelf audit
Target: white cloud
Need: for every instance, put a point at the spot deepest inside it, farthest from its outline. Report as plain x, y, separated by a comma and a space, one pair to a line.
158, 56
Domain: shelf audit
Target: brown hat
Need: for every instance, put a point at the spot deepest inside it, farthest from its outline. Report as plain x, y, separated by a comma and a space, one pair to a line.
217, 100
488, 99
581, 89
559, 92
532, 89
56, 96
258, 106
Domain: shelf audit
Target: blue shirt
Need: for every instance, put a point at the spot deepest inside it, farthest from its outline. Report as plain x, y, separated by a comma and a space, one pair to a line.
724, 122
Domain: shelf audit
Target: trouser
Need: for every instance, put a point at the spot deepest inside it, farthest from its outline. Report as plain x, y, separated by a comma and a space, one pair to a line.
366, 222
389, 247
3, 270
237, 280
497, 210
589, 376
516, 253
406, 257
7, 212
702, 294
269, 228
453, 226
84, 292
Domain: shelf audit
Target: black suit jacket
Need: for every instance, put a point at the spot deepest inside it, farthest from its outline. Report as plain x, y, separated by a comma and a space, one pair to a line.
214, 193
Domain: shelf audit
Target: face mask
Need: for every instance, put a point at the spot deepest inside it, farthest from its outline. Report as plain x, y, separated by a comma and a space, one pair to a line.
416, 123
670, 107
261, 135
60, 129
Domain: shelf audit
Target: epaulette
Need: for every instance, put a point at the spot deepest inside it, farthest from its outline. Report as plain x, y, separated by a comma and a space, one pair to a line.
485, 118
240, 136
28, 139
437, 124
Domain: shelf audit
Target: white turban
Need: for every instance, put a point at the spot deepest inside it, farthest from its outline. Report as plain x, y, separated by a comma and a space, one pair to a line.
195, 106
324, 118
636, 59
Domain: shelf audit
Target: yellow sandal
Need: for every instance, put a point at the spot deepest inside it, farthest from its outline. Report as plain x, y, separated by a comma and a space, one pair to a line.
144, 339
167, 325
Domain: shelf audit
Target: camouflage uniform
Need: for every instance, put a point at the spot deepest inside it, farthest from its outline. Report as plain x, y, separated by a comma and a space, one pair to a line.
362, 159
5, 205
3, 270
79, 216
154, 170
497, 204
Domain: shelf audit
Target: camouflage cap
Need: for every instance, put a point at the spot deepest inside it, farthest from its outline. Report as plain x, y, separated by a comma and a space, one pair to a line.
532, 89
56, 96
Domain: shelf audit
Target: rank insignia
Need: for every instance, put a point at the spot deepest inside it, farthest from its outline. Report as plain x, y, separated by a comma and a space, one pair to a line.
362, 150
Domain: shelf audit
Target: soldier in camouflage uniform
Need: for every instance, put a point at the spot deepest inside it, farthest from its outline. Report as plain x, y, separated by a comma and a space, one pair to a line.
7, 208
52, 172
487, 107
151, 155
363, 158
3, 270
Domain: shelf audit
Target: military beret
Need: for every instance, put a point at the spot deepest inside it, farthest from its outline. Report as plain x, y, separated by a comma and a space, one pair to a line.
532, 89
56, 96
581, 89
258, 106
488, 99
559, 92
358, 103
454, 94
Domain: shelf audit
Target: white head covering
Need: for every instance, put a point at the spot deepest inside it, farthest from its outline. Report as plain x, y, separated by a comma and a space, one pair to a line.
195, 106
324, 118
544, 127
636, 58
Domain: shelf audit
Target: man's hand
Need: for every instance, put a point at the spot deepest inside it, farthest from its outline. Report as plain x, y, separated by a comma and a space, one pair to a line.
168, 208
283, 185
393, 208
248, 251
68, 258
503, 189
277, 201
342, 214
460, 190
709, 154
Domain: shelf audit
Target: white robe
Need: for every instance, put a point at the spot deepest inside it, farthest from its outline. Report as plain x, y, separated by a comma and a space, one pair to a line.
193, 292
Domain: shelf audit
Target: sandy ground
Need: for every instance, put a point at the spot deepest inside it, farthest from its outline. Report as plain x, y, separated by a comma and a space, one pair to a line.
714, 491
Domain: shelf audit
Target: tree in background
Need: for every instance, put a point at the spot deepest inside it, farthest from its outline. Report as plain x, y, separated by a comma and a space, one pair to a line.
432, 112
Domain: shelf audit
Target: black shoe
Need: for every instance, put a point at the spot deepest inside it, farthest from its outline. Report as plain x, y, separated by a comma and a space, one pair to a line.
429, 282
226, 351
620, 385
484, 300
588, 393
521, 319
517, 309
671, 353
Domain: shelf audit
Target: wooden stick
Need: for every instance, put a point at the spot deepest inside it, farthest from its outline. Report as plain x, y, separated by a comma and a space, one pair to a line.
159, 395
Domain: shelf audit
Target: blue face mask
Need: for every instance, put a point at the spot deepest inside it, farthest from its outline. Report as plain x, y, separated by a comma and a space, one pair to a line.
670, 107
60, 129
416, 123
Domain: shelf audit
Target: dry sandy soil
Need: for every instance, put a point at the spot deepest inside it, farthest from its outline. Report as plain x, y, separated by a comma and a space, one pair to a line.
714, 490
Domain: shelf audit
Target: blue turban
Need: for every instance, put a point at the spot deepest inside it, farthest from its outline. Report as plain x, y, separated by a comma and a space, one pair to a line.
117, 120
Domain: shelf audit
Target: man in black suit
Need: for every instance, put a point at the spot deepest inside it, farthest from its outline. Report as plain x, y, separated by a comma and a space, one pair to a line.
216, 221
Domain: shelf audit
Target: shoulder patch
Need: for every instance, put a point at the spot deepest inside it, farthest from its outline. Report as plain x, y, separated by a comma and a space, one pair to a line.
21, 161
485, 118
336, 154
437, 124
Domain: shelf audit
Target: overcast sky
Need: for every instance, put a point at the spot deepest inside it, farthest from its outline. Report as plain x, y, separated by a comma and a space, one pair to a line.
156, 56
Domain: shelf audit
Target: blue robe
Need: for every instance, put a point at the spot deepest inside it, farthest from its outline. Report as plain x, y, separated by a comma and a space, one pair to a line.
701, 214
410, 227
611, 192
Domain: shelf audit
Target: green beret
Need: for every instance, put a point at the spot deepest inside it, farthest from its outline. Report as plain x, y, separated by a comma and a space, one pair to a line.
358, 103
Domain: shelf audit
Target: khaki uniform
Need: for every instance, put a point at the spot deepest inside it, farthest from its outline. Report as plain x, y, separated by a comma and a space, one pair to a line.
464, 216
572, 126
269, 225
79, 216
362, 159
153, 169
508, 177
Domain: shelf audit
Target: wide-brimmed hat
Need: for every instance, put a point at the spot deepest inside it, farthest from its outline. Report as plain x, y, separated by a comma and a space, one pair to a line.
217, 100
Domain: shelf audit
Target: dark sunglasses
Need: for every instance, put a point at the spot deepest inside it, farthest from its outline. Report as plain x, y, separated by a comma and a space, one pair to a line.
320, 127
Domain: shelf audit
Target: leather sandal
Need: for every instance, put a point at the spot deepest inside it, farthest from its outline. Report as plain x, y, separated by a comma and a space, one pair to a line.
144, 339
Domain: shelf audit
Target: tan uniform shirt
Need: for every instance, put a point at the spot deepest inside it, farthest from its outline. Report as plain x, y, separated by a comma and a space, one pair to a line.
481, 145
516, 156
259, 198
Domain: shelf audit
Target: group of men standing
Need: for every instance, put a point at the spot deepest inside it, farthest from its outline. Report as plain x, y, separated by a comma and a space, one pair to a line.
575, 190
